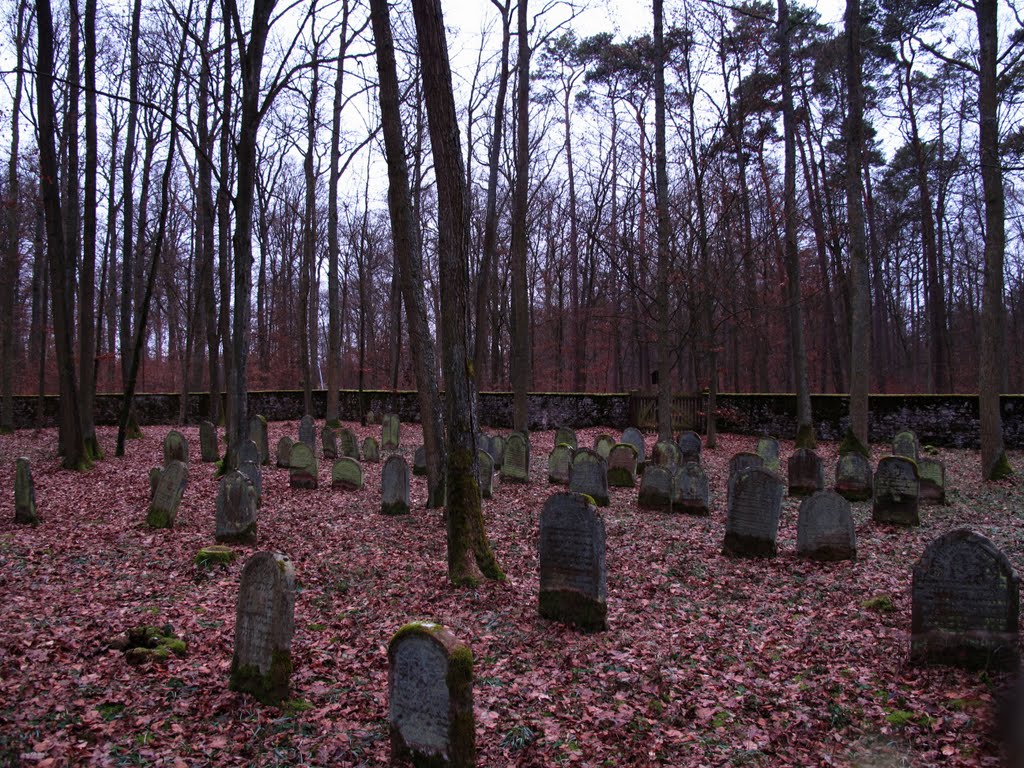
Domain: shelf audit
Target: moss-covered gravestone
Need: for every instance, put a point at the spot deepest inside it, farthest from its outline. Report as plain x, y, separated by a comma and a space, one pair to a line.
516, 467
485, 465
304, 470
307, 432
419, 461
573, 573
754, 505
588, 474
348, 443
824, 529
394, 481
690, 491
236, 510
329, 443
258, 434
656, 489
559, 461
566, 435
622, 466
633, 436
896, 491
805, 471
389, 433
347, 474
371, 451
249, 465
264, 623
163, 509
175, 447
690, 446
284, 452
905, 444
209, 450
154, 481
666, 454
24, 493
603, 445
932, 474
965, 605
430, 698
768, 450
853, 477
744, 460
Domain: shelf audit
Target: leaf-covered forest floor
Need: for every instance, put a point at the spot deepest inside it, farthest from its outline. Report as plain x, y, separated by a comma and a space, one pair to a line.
707, 661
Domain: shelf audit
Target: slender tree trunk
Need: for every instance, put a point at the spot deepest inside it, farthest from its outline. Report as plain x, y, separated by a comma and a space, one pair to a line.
127, 306
40, 312
207, 215
87, 282
224, 265
661, 182
521, 364
307, 304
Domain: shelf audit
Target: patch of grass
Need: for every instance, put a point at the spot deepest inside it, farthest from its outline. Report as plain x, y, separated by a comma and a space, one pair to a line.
880, 604
295, 706
110, 711
519, 737
901, 718
316, 627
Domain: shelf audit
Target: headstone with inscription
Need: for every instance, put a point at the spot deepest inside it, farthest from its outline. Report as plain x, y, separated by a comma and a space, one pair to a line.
371, 451
566, 435
744, 460
754, 505
633, 436
690, 446
236, 510
656, 488
24, 493
853, 477
248, 465
163, 509
307, 432
824, 529
559, 461
896, 491
264, 624
768, 450
965, 604
516, 467
303, 469
905, 444
284, 452
932, 474
485, 465
394, 478
806, 472
389, 439
622, 466
329, 443
603, 444
588, 474
690, 493
258, 434
666, 454
419, 461
175, 447
208, 448
346, 473
348, 444
573, 573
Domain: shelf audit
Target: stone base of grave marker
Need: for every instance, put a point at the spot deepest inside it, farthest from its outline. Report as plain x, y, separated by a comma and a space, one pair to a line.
738, 545
573, 608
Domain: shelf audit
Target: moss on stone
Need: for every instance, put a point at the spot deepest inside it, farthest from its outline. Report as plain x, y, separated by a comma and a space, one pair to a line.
271, 688
215, 554
464, 539
148, 643
851, 444
1001, 469
462, 731
158, 517
805, 437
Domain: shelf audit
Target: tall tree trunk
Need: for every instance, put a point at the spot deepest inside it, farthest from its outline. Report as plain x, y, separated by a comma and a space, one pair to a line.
521, 365
127, 307
661, 184
207, 215
40, 312
224, 265
87, 282
307, 304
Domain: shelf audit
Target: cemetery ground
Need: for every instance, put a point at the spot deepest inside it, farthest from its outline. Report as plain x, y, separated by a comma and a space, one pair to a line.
707, 660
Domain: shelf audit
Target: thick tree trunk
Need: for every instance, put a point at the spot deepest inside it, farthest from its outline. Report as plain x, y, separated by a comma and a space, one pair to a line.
521, 364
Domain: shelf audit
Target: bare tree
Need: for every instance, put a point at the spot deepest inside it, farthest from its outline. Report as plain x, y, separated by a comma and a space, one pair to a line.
521, 364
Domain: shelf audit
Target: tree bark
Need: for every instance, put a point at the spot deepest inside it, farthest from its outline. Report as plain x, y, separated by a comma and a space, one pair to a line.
661, 183
521, 364
87, 282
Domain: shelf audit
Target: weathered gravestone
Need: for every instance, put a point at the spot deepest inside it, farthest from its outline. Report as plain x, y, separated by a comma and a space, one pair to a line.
284, 452
303, 468
208, 448
566, 435
603, 445
154, 481
175, 447
754, 506
248, 465
389, 432
896, 491
430, 698
656, 488
824, 529
905, 444
348, 443
516, 467
236, 510
307, 432
419, 461
573, 574
258, 434
484, 443
965, 604
559, 461
932, 474
329, 443
371, 451
498, 451
744, 460
768, 450
264, 623
346, 473
622, 466
690, 492
24, 493
164, 508
588, 474
485, 465
806, 472
689, 446
666, 454
394, 497
633, 436
853, 477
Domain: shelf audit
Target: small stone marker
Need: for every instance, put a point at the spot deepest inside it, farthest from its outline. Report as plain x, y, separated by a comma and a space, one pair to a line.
566, 435
164, 508
622, 466
573, 573
154, 481
806, 472
690, 446
430, 698
329, 443
307, 432
485, 465
208, 448
588, 474
896, 492
264, 623
390, 432
666, 454
394, 479
853, 477
303, 469
603, 445
498, 451
419, 461
932, 474
483, 443
559, 461
744, 460
690, 493
905, 444
656, 489
284, 452
633, 436
258, 434
824, 529
236, 509
516, 467
346, 473
348, 443
24, 493
371, 451
965, 604
754, 506
768, 450
175, 447
248, 465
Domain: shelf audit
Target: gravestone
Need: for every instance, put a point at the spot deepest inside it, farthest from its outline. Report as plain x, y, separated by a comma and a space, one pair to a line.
603, 445
372, 418
588, 474
666, 454
498, 451
154, 481
896, 491
264, 623
24, 493
690, 493
573, 573
484, 443
690, 446
346, 473
394, 480
853, 477
208, 448
744, 460
389, 432
284, 452
258, 434
768, 450
164, 508
905, 444
303, 469
622, 466
348, 444
430, 698
754, 506
559, 461
419, 461
965, 604
824, 528
566, 435
175, 447
307, 432
633, 436
932, 474
371, 452
329, 443
236, 510
516, 467
656, 489
485, 465
248, 465
806, 472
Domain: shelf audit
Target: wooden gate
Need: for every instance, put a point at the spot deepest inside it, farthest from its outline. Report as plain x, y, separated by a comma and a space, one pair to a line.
687, 412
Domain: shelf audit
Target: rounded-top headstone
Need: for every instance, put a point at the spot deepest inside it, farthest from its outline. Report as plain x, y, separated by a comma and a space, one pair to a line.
573, 571
394, 477
566, 435
390, 433
805, 471
307, 432
690, 446
853, 477
208, 448
633, 436
163, 509
175, 447
768, 450
485, 465
690, 491
656, 488
754, 505
236, 509
329, 442
348, 443
303, 467
905, 444
896, 491
622, 466
346, 473
284, 452
603, 445
744, 460
516, 466
559, 461
825, 529
666, 454
932, 474
588, 474
371, 451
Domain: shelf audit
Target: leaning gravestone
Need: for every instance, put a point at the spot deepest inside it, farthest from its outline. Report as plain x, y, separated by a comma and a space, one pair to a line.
175, 447
303, 469
284, 452
348, 444
768, 450
154, 481
24, 493
307, 432
588, 474
905, 444
603, 445
164, 508
666, 454
559, 461
754, 506
485, 465
208, 448
389, 432
689, 446
264, 623
516, 467
394, 479
633, 436
896, 492
430, 698
824, 529
622, 466
248, 465
346, 473
806, 472
371, 452
573, 574
419, 461
965, 604
236, 510
853, 477
744, 460
329, 443
690, 492
258, 434
566, 435
932, 474
656, 489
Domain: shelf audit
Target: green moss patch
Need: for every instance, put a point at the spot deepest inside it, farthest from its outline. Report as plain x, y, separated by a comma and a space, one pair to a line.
153, 644
214, 555
270, 688
851, 444
880, 604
